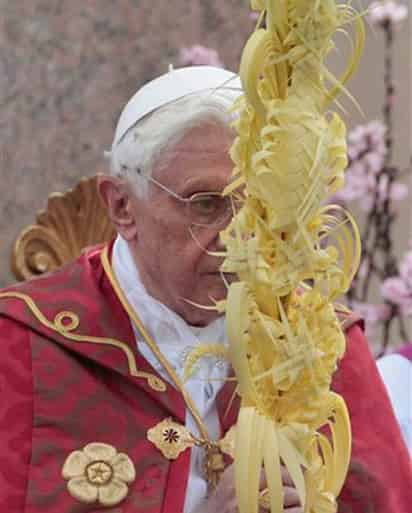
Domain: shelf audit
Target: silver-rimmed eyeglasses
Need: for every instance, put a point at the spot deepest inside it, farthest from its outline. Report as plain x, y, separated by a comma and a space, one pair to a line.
208, 209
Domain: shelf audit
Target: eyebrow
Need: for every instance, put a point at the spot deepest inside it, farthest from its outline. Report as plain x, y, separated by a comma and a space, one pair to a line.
197, 184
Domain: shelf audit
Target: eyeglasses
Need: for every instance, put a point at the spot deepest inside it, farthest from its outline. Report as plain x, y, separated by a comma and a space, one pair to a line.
208, 209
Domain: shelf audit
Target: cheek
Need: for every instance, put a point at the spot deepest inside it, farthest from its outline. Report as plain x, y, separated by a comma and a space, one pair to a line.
198, 247
176, 251
188, 254
186, 259
175, 255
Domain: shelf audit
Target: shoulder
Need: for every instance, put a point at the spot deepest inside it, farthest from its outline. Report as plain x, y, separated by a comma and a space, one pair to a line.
72, 284
85, 267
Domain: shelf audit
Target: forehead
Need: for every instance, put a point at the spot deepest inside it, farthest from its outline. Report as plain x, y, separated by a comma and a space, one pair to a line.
201, 157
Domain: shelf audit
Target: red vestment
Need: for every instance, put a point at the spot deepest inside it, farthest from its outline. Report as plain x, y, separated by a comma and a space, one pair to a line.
58, 394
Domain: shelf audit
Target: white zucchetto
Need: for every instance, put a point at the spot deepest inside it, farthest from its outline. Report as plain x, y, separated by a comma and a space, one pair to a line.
169, 87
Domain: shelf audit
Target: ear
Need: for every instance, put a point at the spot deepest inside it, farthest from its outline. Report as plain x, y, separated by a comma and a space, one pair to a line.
119, 201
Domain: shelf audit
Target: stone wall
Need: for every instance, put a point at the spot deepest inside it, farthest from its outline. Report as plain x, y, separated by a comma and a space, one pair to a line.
68, 66
66, 69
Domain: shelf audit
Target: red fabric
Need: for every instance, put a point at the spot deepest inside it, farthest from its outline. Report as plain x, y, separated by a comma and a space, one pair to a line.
81, 393
57, 395
380, 480
16, 412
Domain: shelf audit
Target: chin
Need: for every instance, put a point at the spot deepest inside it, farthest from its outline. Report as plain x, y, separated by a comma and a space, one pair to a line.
202, 317
197, 316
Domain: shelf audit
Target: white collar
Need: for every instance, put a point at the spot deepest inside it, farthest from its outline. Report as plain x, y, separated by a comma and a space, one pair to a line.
172, 334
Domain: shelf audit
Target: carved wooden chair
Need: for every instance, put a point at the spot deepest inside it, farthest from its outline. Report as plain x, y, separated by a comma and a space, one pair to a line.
72, 221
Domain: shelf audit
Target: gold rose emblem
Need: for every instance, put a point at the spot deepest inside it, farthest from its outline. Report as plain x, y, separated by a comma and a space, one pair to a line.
98, 473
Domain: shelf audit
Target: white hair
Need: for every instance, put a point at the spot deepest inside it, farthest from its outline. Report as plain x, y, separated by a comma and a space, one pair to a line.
150, 142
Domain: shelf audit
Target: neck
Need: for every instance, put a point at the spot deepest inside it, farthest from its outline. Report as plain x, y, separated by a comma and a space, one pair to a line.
193, 315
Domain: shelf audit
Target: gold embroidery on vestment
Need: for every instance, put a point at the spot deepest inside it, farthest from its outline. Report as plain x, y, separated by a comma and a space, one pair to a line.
172, 438
98, 473
154, 382
72, 324
65, 330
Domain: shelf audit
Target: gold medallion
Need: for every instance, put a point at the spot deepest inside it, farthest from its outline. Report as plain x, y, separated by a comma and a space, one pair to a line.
170, 438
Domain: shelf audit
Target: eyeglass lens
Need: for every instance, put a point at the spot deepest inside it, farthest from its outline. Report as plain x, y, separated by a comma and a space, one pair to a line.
206, 209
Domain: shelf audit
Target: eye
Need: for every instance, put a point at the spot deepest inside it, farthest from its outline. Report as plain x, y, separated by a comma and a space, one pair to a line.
208, 208
206, 205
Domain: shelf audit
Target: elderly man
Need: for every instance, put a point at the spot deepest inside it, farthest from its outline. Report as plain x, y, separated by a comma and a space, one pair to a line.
95, 412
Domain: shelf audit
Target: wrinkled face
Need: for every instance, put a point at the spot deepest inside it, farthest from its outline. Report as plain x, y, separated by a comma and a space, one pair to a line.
170, 251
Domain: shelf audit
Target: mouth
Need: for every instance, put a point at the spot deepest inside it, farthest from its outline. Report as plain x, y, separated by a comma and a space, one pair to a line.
229, 277
213, 274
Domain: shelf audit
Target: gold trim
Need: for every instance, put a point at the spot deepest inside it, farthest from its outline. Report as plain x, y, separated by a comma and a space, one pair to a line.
214, 464
151, 343
65, 331
74, 321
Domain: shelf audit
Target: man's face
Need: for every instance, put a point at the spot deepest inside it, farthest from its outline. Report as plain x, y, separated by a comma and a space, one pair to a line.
170, 251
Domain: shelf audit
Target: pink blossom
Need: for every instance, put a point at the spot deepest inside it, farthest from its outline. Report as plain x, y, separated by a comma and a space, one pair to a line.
353, 151
376, 130
198, 55
369, 134
254, 15
359, 185
374, 161
357, 168
366, 151
399, 191
387, 11
405, 269
357, 134
367, 139
373, 314
348, 193
406, 309
396, 291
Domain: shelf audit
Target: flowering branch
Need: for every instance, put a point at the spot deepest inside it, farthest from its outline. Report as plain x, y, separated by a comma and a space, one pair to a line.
198, 55
373, 182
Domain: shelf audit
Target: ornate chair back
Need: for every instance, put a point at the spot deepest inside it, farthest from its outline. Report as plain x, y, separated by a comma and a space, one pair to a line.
72, 221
